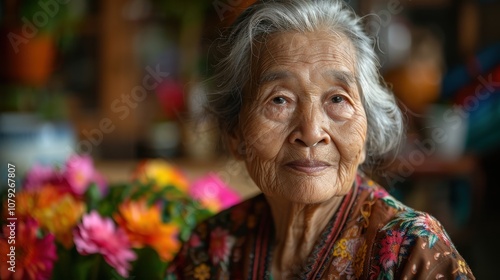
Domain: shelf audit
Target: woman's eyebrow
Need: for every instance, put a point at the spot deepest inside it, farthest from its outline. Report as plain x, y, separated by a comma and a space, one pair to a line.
273, 76
344, 77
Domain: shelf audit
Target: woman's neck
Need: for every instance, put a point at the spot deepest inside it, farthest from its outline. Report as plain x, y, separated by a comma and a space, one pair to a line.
297, 228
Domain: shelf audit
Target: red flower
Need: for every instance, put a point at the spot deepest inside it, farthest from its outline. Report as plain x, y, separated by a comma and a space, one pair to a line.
194, 240
170, 95
34, 256
391, 245
220, 245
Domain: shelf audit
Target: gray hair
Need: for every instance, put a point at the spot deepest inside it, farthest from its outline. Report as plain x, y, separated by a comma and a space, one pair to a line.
232, 73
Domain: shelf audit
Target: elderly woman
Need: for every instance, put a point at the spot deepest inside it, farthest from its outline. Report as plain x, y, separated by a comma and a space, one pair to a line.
299, 100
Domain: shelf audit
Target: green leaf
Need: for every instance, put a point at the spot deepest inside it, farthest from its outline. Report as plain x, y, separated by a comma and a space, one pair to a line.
148, 265
93, 196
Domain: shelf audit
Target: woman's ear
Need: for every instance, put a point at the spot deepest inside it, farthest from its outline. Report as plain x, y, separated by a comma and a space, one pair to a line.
362, 156
236, 145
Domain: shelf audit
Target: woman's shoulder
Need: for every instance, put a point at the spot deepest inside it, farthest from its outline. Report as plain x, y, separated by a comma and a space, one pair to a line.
414, 244
236, 215
395, 221
212, 241
390, 214
407, 242
231, 223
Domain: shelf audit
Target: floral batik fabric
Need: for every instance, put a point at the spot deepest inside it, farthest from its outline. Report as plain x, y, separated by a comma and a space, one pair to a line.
371, 236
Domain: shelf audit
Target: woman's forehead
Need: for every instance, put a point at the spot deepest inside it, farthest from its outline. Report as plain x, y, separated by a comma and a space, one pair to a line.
288, 48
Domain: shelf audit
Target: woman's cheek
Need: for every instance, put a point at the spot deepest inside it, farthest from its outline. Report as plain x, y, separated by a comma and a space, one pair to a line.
264, 132
352, 140
260, 163
278, 113
261, 168
340, 112
265, 139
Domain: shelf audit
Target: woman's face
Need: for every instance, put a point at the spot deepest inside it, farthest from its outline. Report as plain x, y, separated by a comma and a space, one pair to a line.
302, 126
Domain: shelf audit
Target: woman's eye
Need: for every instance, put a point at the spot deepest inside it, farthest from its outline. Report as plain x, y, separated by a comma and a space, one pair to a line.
279, 100
337, 99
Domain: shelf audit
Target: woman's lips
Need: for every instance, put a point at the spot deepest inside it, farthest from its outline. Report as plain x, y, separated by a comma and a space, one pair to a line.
308, 166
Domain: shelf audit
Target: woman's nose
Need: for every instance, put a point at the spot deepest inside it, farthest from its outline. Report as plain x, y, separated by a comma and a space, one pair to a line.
311, 128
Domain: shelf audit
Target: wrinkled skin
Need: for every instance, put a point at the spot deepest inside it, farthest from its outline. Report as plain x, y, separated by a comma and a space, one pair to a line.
302, 134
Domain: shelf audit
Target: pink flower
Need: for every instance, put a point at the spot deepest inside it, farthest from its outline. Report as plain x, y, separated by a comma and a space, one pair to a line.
213, 193
75, 177
391, 245
220, 245
101, 183
38, 176
380, 194
80, 173
99, 235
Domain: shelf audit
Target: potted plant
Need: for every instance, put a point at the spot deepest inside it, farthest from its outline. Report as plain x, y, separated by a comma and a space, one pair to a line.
29, 35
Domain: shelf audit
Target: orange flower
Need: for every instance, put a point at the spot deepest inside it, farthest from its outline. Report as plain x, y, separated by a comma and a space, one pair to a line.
162, 173
144, 227
30, 200
55, 211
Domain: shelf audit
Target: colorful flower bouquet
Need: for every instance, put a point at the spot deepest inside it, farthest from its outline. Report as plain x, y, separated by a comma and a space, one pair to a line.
72, 225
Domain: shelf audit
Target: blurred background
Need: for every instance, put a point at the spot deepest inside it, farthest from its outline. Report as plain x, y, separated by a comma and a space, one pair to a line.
122, 80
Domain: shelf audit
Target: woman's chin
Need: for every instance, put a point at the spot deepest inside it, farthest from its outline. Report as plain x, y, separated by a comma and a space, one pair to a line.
307, 199
307, 194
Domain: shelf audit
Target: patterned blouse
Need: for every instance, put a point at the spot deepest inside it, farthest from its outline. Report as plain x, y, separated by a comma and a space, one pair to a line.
371, 236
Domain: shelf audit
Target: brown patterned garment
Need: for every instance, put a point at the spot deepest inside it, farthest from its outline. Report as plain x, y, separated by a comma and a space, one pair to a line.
372, 236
